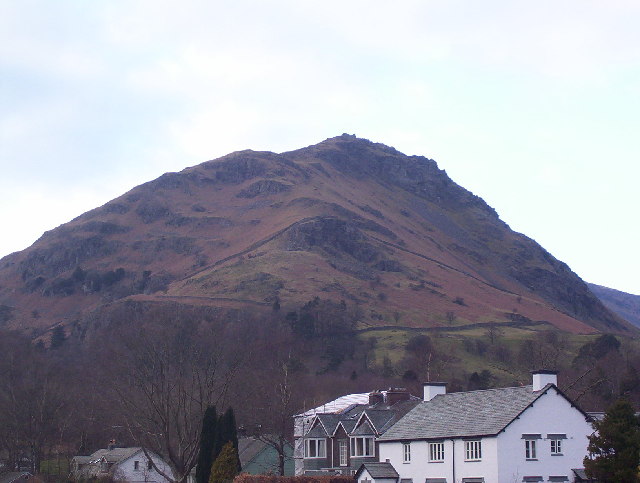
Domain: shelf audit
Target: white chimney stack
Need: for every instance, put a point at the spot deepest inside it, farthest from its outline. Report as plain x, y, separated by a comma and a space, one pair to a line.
433, 389
542, 378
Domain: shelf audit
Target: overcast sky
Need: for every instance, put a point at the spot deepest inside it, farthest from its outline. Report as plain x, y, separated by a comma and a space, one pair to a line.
534, 106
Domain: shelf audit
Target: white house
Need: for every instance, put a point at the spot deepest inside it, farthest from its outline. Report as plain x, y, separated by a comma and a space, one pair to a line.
515, 434
121, 464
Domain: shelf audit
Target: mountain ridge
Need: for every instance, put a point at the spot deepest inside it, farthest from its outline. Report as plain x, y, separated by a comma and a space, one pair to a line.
345, 219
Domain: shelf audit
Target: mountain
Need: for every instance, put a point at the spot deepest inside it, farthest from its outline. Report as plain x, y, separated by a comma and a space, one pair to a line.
624, 304
344, 220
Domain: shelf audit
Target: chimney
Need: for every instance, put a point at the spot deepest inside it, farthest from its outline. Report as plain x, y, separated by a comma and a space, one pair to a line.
433, 389
376, 397
397, 394
542, 378
112, 445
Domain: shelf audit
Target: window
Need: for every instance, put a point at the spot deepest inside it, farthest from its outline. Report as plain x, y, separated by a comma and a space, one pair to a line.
530, 449
556, 447
436, 452
136, 466
149, 465
343, 453
473, 450
406, 452
362, 446
315, 448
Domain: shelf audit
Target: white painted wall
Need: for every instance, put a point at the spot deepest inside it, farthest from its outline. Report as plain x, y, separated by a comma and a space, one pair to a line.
420, 468
126, 469
551, 413
487, 468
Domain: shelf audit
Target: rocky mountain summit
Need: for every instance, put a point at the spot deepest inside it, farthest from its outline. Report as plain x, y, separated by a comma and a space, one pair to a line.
345, 220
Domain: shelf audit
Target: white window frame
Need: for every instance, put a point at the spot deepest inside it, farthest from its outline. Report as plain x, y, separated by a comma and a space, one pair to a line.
473, 450
436, 452
343, 449
366, 445
556, 447
406, 452
319, 446
530, 450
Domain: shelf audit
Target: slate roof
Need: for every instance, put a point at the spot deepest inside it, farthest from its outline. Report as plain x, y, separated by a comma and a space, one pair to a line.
115, 455
383, 420
381, 416
329, 421
317, 432
81, 459
249, 448
379, 470
364, 429
464, 414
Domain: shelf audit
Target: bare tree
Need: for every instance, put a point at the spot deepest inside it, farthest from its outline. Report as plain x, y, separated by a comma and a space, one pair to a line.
32, 401
276, 430
168, 373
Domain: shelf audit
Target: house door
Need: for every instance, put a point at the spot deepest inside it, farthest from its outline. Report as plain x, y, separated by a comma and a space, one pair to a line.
343, 453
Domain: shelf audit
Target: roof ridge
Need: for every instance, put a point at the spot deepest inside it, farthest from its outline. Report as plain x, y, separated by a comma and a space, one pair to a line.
488, 390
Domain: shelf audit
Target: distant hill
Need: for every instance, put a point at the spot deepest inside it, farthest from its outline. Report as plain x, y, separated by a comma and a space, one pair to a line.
391, 236
624, 304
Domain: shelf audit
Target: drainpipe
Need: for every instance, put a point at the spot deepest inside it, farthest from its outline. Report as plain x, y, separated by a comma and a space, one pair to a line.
453, 460
331, 441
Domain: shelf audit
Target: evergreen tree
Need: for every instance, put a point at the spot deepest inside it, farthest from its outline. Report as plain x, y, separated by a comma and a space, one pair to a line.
615, 446
224, 468
207, 444
227, 432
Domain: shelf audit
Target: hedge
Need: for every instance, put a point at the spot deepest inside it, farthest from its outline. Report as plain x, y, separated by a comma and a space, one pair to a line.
246, 478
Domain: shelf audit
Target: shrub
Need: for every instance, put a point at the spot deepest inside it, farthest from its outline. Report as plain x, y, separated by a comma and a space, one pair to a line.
246, 478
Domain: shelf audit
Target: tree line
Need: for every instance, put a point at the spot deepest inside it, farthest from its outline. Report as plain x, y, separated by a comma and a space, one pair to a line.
148, 374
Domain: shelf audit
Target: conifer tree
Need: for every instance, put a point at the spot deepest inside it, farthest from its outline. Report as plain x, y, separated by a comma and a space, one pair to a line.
224, 468
207, 444
227, 432
615, 446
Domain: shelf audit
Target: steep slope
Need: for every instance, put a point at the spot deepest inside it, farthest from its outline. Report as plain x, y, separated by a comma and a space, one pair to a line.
624, 304
345, 219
